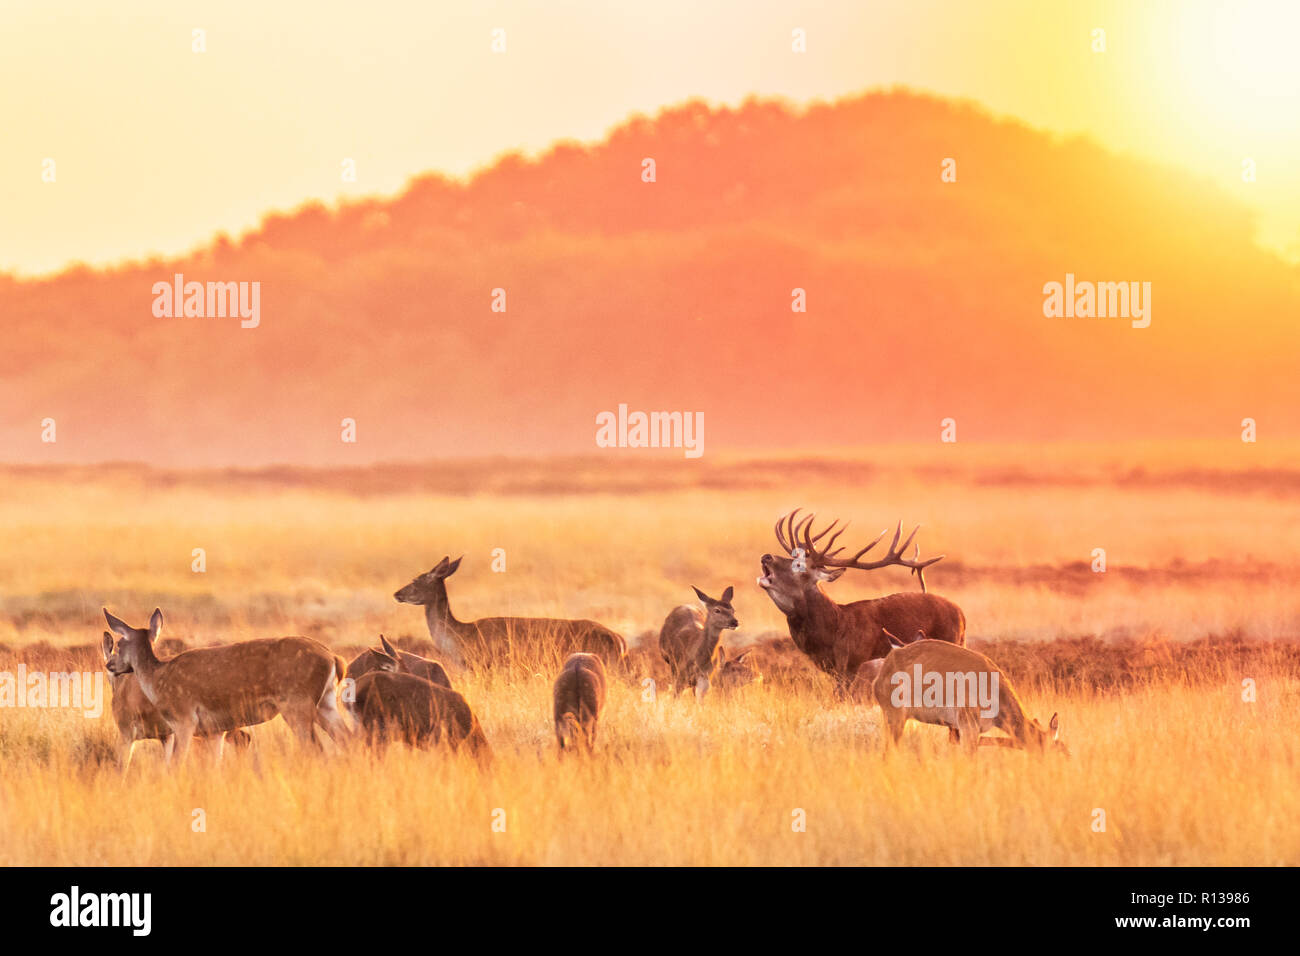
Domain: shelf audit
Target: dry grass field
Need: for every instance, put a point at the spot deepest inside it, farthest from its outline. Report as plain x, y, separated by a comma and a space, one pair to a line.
1145, 663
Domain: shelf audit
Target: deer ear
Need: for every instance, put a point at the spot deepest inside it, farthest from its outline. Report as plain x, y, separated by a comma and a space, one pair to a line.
1055, 727
893, 641
726, 595
740, 658
829, 574
108, 645
451, 569
118, 626
155, 624
388, 648
701, 595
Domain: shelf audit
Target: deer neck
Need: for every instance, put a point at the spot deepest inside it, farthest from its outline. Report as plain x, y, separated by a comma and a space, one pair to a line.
444, 629
817, 621
147, 670
708, 645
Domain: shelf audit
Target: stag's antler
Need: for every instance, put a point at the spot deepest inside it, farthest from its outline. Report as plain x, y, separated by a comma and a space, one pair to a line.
800, 536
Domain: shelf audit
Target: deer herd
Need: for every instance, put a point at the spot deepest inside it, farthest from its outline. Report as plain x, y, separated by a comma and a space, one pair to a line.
872, 650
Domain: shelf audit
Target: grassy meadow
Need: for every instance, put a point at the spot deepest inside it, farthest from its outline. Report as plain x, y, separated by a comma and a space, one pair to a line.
1145, 662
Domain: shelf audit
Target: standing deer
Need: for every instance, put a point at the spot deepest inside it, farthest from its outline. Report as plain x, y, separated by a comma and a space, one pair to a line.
389, 658
495, 638
213, 689
840, 638
940, 683
579, 700
392, 705
138, 720
689, 638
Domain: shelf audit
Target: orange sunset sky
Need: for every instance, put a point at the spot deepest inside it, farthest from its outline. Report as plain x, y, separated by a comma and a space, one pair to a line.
520, 169
157, 147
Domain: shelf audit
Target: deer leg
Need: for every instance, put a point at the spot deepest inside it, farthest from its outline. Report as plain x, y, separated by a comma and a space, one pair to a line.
701, 687
969, 734
183, 736
127, 752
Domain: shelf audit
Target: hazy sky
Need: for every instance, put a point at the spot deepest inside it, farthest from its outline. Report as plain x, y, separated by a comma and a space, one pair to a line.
157, 147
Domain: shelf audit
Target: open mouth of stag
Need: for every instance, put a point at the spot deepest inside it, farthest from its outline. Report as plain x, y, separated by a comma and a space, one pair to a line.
765, 581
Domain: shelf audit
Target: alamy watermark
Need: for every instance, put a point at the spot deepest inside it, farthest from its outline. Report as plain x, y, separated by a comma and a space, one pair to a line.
211, 300
684, 430
922, 688
82, 690
1103, 300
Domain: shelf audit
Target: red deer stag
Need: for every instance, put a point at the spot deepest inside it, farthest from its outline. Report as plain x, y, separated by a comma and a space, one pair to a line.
840, 638
491, 639
212, 689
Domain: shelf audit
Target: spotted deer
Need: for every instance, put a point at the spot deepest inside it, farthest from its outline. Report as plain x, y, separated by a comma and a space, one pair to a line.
688, 641
491, 639
940, 683
840, 638
579, 699
138, 720
214, 689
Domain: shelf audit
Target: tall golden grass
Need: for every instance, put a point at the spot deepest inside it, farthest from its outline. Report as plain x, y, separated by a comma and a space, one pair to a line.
1145, 664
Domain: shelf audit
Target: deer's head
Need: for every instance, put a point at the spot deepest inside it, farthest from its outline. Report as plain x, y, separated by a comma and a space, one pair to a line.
425, 588
736, 672
134, 644
718, 612
1049, 738
791, 581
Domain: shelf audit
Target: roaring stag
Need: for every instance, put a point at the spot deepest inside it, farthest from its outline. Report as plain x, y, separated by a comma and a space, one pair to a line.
490, 639
840, 638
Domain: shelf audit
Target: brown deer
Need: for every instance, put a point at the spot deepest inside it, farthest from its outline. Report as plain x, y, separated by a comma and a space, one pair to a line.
138, 720
394, 706
840, 638
579, 700
389, 658
214, 689
689, 638
940, 683
735, 672
491, 639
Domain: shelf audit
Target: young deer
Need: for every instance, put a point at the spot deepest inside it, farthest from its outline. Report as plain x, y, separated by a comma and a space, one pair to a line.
689, 638
138, 720
939, 683
213, 689
389, 658
391, 704
840, 638
579, 700
735, 672
493, 638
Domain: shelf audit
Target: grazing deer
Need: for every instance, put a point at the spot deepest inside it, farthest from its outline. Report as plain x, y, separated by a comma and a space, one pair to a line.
138, 720
493, 638
213, 689
940, 683
840, 638
689, 638
735, 672
389, 658
579, 700
395, 706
